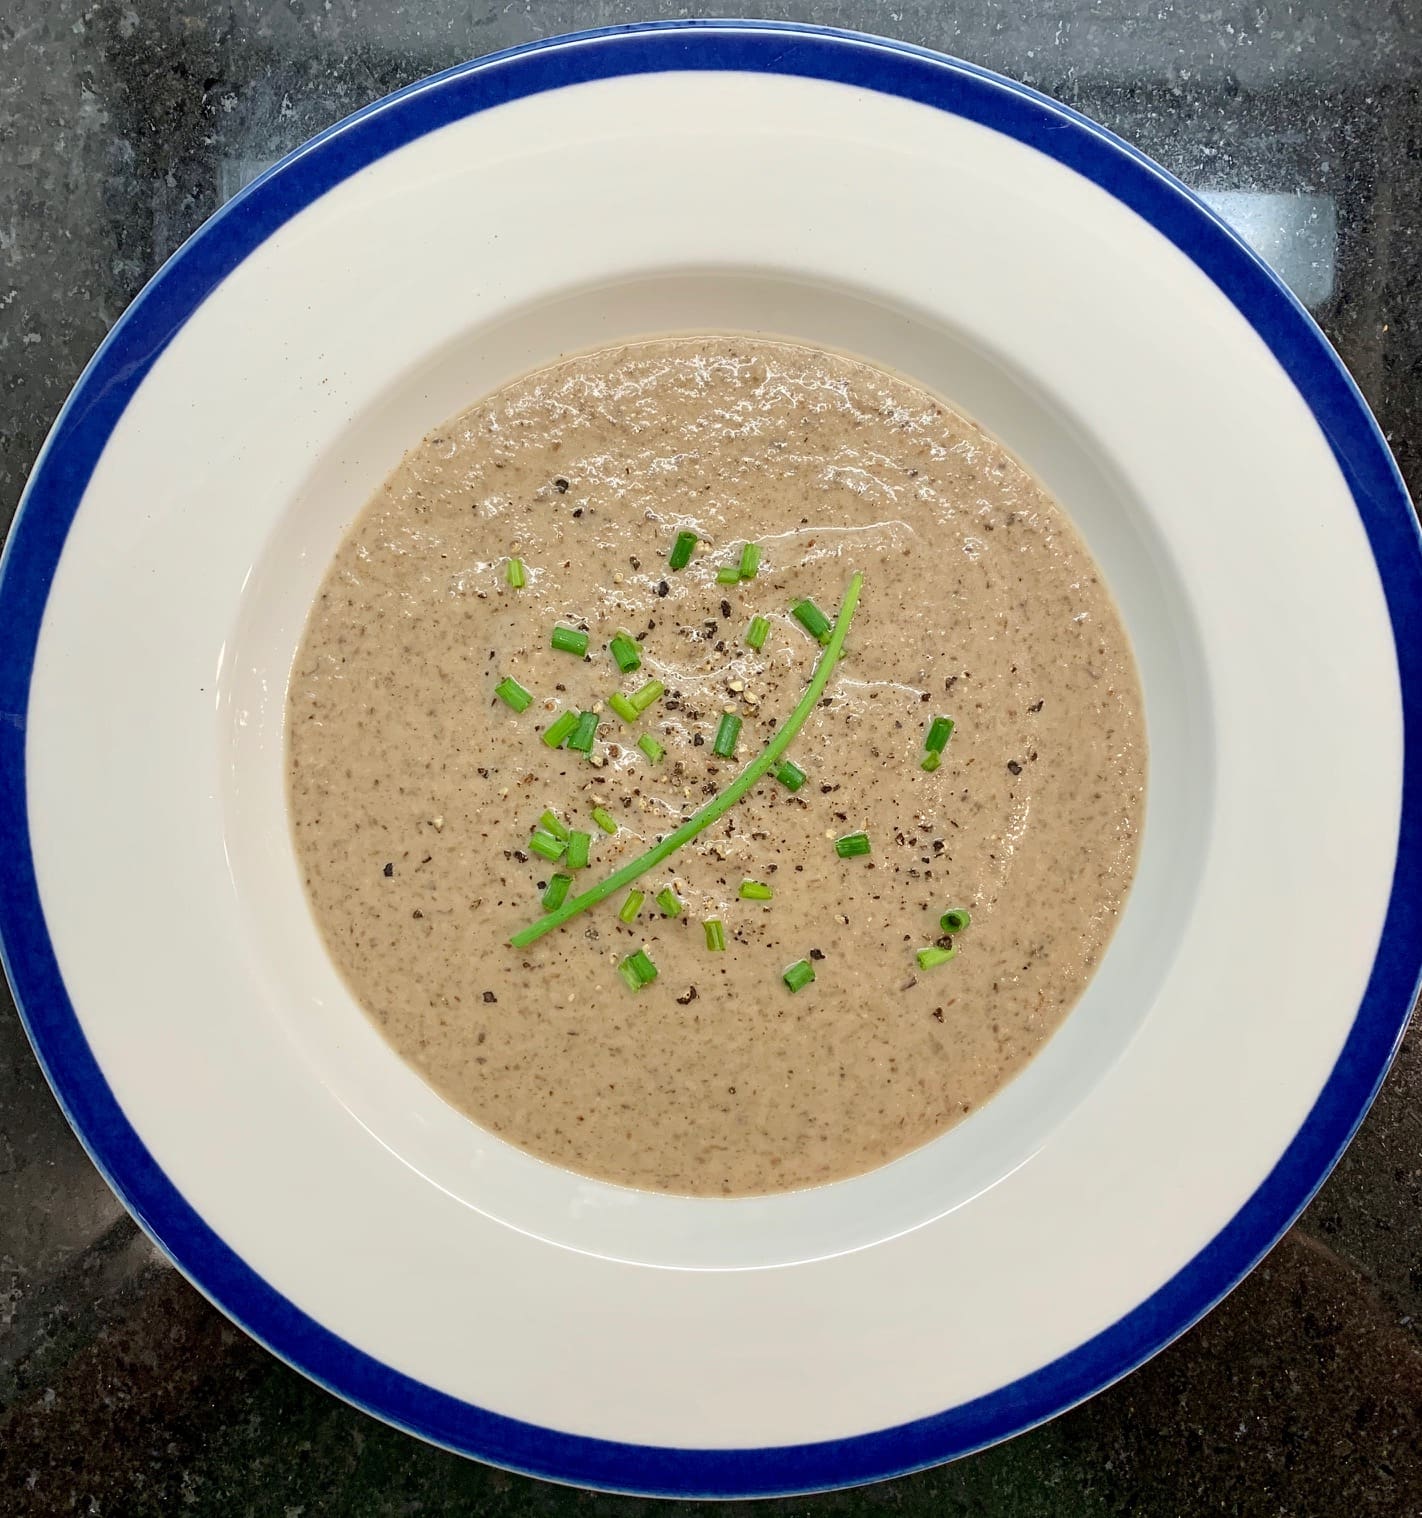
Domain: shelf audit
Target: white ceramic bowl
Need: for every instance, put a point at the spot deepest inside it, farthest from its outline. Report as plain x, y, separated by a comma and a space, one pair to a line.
876, 198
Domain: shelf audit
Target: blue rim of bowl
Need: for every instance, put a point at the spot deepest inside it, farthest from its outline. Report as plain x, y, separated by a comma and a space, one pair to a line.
57, 486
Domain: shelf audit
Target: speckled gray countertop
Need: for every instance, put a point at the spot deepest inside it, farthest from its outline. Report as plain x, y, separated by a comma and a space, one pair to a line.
122, 125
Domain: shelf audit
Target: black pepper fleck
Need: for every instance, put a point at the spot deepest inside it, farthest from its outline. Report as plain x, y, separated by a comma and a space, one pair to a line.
490, 997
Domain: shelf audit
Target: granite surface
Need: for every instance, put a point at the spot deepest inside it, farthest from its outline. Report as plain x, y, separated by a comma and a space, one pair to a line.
121, 126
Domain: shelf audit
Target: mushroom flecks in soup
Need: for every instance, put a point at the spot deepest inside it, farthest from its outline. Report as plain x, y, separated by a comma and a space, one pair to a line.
522, 675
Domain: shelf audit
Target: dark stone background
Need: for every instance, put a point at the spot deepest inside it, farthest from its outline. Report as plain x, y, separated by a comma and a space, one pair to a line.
121, 127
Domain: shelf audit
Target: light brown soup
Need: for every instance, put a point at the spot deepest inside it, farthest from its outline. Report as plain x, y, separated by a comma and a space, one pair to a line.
415, 790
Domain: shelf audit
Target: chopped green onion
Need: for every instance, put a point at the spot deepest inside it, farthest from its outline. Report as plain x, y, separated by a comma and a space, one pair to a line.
550, 824
940, 730
604, 819
578, 845
585, 732
547, 846
930, 762
625, 652
644, 695
750, 561
852, 845
799, 975
928, 958
812, 619
727, 731
560, 729
669, 902
790, 775
955, 920
622, 706
758, 632
755, 890
715, 934
651, 748
724, 800
568, 640
511, 693
557, 892
630, 908
680, 555
637, 970
515, 574
729, 574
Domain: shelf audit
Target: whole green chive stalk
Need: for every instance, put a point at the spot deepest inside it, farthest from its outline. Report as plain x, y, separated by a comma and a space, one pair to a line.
799, 975
560, 729
569, 640
511, 693
604, 819
516, 575
931, 957
585, 732
727, 731
579, 846
682, 550
557, 892
715, 935
669, 902
852, 845
622, 706
625, 653
955, 920
757, 633
637, 970
812, 619
630, 908
722, 802
756, 890
790, 775
651, 748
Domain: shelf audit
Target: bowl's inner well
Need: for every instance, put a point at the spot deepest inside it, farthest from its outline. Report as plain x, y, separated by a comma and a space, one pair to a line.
495, 1178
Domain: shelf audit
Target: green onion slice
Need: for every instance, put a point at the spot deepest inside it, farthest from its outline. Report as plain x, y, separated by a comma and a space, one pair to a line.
630, 908
625, 653
669, 902
852, 845
756, 890
758, 632
557, 892
516, 575
812, 619
930, 957
546, 845
569, 640
511, 693
799, 975
955, 920
550, 824
728, 574
637, 970
644, 695
715, 934
750, 561
604, 819
727, 731
790, 775
560, 729
651, 748
682, 549
579, 844
940, 730
585, 732
622, 706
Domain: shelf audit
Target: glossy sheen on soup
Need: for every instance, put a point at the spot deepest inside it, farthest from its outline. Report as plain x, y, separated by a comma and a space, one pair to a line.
417, 791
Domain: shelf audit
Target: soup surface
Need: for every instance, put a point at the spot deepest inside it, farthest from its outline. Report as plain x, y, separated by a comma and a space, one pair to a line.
416, 790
